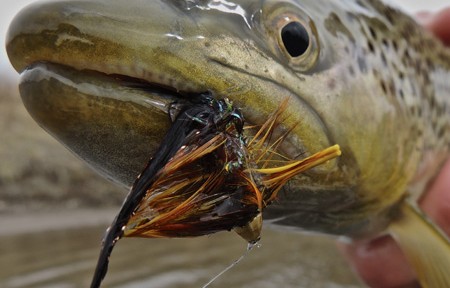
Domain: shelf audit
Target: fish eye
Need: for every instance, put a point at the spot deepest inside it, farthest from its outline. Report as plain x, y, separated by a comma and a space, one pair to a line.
295, 39
292, 34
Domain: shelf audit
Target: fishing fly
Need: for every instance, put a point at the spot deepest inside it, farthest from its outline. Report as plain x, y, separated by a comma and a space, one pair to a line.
211, 173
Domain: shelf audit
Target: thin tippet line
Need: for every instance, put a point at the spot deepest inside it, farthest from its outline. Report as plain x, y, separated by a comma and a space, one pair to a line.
234, 263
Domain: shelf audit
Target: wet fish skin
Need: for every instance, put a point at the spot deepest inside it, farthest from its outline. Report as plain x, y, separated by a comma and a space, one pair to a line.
373, 82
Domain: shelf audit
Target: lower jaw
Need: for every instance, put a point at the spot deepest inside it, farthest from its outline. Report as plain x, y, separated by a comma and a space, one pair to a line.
114, 123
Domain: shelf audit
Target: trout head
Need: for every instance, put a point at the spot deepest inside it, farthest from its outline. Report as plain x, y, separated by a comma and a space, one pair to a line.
101, 76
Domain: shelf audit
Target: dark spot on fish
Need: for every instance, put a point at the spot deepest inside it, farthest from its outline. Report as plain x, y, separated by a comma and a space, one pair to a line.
371, 47
406, 58
444, 109
373, 33
442, 54
440, 110
331, 83
429, 63
361, 3
351, 70
441, 132
347, 50
401, 93
419, 132
383, 59
432, 102
383, 86
207, 44
390, 15
375, 73
335, 26
350, 16
435, 124
391, 87
395, 45
419, 111
362, 64
418, 65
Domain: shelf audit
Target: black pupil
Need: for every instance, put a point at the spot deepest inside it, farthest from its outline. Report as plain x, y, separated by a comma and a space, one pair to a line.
295, 39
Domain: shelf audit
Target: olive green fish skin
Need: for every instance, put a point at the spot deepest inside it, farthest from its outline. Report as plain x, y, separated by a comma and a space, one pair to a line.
372, 81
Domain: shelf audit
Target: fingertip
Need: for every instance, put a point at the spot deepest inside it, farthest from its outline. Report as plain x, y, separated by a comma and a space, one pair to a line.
438, 23
380, 263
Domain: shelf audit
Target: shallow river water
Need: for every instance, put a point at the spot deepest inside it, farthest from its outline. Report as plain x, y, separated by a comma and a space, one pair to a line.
61, 250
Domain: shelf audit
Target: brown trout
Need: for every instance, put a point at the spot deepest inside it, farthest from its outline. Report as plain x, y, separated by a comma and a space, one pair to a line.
100, 76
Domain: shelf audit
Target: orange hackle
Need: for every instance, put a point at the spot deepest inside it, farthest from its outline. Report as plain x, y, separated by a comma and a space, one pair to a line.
184, 199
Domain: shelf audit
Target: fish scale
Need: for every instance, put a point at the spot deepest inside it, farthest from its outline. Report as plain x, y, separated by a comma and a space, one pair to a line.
410, 67
416, 75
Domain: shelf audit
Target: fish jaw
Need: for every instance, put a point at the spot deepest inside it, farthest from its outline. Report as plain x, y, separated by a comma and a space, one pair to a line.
95, 117
60, 46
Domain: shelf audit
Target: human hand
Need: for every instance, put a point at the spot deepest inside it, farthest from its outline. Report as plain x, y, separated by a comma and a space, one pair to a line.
375, 260
438, 24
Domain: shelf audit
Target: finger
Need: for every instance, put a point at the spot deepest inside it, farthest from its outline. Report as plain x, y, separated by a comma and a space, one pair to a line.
438, 24
376, 260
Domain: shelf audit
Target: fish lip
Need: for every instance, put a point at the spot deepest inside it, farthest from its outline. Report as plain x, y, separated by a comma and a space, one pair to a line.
123, 80
172, 95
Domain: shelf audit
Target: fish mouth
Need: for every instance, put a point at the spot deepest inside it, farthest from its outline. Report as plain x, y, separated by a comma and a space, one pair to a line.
95, 114
101, 78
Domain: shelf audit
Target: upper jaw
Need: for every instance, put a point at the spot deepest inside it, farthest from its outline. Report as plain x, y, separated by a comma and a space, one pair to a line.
113, 38
87, 74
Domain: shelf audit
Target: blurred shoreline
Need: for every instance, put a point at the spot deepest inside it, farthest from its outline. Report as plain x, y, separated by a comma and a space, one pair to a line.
59, 220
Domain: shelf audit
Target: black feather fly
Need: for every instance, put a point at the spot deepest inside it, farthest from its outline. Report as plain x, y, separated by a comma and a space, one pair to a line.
206, 177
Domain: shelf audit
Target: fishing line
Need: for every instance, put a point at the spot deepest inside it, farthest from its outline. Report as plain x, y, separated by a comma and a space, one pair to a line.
234, 263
